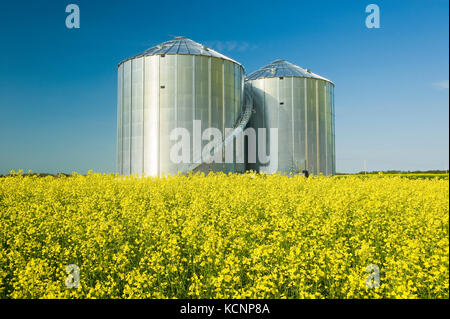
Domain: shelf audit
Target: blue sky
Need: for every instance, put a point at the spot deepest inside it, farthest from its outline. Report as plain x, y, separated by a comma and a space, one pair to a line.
58, 85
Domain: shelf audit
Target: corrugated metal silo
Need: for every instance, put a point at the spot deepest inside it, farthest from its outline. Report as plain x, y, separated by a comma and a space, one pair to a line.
301, 105
169, 86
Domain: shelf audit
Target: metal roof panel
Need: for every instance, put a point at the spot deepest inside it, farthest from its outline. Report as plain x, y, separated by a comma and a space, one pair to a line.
183, 45
281, 68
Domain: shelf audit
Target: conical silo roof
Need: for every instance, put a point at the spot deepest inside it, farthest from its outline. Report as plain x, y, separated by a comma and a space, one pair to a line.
183, 45
282, 68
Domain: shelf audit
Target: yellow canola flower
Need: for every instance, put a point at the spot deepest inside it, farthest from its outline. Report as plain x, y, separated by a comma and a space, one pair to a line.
224, 236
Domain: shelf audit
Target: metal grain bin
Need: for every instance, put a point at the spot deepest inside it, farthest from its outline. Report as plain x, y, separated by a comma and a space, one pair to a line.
301, 105
166, 87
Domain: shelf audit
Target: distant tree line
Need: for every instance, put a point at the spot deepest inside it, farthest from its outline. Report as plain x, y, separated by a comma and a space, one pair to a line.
359, 173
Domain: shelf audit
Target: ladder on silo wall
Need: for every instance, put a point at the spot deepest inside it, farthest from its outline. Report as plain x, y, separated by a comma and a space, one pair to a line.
201, 164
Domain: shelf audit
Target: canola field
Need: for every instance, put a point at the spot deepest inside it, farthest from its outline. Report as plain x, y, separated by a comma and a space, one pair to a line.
224, 236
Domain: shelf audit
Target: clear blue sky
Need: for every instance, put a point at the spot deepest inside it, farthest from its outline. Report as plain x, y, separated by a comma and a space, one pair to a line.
58, 85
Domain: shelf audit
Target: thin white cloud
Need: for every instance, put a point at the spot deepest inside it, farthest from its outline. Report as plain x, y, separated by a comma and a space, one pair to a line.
230, 46
441, 84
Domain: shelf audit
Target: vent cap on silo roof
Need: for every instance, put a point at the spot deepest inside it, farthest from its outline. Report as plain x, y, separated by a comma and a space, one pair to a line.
183, 45
283, 68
